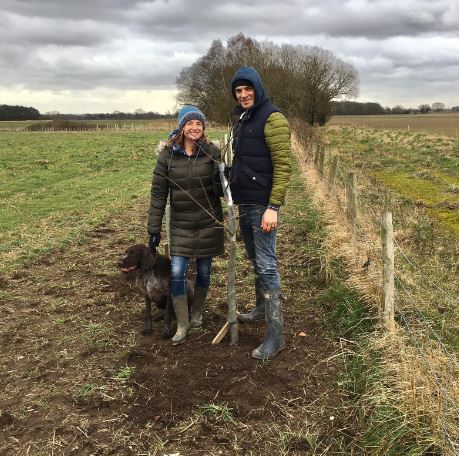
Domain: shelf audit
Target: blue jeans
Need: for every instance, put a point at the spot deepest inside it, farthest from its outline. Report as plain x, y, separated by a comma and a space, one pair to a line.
260, 247
179, 268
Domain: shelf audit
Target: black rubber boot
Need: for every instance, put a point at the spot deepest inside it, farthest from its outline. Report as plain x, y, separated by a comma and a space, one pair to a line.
199, 298
181, 313
257, 313
274, 340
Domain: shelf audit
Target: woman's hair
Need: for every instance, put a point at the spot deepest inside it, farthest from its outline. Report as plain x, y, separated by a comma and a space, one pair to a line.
179, 138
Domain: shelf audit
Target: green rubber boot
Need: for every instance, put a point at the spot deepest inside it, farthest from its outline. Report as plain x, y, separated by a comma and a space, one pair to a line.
181, 313
200, 295
258, 312
274, 340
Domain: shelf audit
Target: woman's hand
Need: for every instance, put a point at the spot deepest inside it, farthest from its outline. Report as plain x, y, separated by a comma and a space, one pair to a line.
154, 241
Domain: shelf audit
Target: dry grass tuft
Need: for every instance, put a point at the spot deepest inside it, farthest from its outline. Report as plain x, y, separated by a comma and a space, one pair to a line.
419, 377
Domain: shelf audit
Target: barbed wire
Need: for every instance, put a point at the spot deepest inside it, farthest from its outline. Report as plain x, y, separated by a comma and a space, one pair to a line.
413, 337
427, 320
418, 268
441, 388
378, 223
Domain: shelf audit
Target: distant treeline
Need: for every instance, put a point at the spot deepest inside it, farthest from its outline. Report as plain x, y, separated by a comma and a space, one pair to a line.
109, 116
8, 112
350, 108
347, 108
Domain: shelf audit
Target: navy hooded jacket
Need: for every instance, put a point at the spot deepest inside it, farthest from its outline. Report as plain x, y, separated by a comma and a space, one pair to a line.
252, 170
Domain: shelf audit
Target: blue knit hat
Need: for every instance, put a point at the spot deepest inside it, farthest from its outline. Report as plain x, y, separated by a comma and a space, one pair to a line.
189, 112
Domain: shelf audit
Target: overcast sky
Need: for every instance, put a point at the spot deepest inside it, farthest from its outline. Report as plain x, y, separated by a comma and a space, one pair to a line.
104, 55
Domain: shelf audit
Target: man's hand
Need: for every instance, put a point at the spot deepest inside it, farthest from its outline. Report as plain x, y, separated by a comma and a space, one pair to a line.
269, 221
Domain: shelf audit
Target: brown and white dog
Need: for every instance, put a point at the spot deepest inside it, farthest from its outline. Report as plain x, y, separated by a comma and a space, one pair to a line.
153, 278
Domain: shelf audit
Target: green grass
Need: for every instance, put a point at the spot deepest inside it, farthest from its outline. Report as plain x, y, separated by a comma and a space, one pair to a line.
420, 167
125, 373
220, 412
54, 187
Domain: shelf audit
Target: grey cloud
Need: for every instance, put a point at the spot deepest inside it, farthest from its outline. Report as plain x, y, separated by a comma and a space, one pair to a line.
84, 44
99, 10
36, 32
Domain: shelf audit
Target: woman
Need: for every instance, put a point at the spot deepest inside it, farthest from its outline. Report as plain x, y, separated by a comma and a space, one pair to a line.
186, 169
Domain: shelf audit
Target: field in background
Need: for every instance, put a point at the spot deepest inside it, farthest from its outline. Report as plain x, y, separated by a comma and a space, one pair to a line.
446, 124
55, 186
415, 176
420, 167
165, 125
102, 124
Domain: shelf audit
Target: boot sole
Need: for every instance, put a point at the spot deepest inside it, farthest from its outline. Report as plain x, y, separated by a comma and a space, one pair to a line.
244, 319
267, 358
179, 342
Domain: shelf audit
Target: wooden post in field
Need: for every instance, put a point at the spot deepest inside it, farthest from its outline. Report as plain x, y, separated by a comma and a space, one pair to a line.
351, 200
231, 324
228, 150
332, 175
316, 154
321, 161
387, 237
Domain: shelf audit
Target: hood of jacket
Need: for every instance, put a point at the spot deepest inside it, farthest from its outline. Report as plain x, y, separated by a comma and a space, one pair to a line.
250, 74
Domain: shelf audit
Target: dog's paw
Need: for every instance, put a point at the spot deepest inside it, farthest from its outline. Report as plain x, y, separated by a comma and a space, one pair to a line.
167, 333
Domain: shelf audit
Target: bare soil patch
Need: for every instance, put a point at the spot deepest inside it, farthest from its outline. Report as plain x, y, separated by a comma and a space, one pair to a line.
77, 377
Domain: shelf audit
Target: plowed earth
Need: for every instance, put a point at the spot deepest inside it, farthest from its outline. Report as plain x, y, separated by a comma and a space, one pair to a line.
77, 377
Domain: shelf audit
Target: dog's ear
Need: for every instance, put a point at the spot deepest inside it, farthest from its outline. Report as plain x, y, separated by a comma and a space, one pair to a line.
147, 262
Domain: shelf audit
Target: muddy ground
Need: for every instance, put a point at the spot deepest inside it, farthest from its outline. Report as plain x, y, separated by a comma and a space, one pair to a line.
78, 378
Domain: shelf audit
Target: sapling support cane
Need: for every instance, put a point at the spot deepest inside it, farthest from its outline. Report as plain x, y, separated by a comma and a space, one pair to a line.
231, 324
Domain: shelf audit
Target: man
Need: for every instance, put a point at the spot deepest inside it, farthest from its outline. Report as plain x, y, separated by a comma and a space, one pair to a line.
259, 179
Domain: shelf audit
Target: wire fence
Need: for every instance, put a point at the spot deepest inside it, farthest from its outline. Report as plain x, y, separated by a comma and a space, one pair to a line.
349, 193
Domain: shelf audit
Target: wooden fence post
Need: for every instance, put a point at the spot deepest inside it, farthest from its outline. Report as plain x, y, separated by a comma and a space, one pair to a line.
227, 146
387, 237
351, 200
316, 154
332, 176
321, 161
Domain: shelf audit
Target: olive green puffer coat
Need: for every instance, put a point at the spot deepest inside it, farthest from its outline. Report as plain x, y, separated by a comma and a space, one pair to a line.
193, 199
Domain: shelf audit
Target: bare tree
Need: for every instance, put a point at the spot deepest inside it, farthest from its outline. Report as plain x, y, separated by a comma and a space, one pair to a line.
301, 80
438, 106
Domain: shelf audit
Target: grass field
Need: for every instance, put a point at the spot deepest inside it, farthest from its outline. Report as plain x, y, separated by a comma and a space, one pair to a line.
446, 124
111, 124
421, 167
76, 376
54, 187
415, 175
